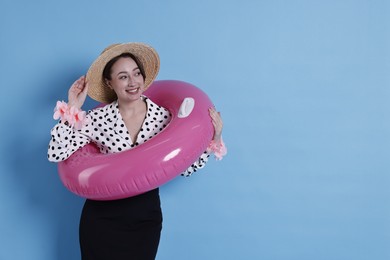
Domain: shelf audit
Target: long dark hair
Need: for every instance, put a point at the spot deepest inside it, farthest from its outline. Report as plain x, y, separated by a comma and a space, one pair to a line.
107, 68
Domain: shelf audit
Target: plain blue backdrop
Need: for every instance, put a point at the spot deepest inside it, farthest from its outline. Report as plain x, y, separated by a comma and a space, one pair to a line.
303, 88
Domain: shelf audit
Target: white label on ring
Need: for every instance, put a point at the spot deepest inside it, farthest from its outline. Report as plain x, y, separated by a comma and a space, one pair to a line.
186, 107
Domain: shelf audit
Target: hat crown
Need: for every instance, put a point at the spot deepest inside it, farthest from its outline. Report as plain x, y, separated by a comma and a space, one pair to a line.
110, 47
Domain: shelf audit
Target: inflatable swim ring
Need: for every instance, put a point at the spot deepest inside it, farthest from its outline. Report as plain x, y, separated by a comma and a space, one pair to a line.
93, 175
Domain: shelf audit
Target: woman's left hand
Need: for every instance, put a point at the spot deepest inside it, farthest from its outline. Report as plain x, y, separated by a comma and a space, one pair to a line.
217, 123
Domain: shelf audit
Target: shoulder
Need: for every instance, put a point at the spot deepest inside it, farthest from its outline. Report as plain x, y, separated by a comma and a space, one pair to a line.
104, 110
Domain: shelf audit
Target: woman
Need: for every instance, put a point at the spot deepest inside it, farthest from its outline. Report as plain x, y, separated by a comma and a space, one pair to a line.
127, 228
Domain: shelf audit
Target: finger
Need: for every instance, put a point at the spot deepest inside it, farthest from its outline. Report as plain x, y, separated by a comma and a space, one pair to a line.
84, 91
86, 86
79, 84
212, 111
75, 85
216, 115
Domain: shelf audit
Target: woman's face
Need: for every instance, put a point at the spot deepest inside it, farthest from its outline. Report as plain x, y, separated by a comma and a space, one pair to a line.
126, 80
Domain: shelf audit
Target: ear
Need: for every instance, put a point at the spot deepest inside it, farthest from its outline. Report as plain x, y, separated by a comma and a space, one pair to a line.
108, 83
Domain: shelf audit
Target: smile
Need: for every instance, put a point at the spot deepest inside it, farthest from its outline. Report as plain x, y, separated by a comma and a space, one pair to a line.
132, 91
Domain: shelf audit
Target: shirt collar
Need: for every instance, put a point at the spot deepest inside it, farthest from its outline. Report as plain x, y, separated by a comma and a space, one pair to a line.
118, 120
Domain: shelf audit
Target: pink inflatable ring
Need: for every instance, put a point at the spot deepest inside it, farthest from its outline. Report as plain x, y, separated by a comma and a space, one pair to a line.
93, 175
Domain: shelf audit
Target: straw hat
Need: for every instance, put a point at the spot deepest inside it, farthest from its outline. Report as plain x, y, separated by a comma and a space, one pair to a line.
145, 54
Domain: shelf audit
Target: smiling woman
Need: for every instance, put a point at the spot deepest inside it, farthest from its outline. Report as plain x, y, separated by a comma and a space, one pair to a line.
125, 226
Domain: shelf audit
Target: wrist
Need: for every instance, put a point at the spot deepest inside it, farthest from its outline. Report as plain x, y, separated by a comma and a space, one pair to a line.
217, 138
72, 104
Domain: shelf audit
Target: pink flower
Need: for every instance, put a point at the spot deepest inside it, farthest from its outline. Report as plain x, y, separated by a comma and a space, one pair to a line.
79, 119
60, 110
74, 116
218, 148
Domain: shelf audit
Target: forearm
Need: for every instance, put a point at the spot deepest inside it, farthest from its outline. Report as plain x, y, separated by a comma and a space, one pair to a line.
64, 141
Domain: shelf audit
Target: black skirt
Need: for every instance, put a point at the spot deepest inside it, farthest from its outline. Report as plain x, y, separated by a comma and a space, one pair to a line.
121, 229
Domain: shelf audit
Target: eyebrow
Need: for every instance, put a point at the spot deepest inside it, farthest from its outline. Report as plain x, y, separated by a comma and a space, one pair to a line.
120, 72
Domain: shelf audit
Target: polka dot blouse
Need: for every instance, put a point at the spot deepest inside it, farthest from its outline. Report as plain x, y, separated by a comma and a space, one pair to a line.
107, 130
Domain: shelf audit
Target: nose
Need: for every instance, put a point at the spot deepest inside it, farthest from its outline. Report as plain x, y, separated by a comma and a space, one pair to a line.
130, 80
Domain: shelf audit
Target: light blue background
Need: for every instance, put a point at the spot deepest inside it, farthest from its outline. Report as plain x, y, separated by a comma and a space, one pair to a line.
303, 88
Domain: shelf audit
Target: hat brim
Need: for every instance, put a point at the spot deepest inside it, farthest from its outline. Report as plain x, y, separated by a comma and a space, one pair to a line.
146, 55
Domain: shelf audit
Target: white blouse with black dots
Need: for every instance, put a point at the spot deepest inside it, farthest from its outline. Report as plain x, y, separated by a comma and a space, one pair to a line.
107, 130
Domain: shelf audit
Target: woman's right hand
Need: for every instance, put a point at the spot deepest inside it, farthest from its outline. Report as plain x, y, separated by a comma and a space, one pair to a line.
78, 92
